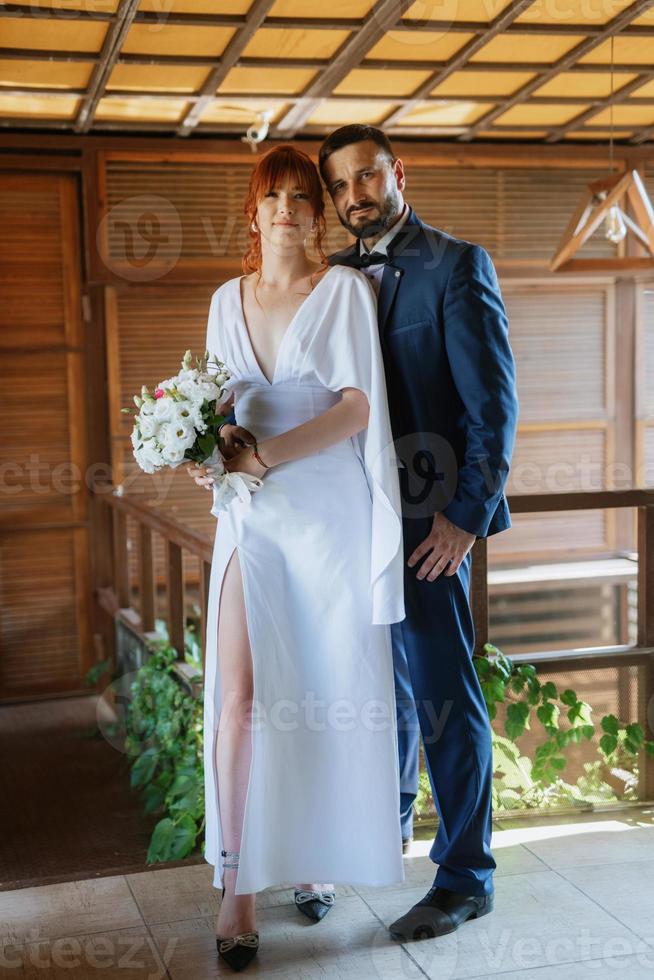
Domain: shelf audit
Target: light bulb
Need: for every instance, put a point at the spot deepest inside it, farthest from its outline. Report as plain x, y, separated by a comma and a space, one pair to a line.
614, 226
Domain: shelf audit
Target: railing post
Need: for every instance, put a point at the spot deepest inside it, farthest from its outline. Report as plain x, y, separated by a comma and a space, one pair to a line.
175, 586
646, 639
205, 575
147, 579
479, 593
121, 567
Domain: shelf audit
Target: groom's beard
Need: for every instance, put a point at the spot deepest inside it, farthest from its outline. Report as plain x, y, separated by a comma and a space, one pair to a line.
378, 223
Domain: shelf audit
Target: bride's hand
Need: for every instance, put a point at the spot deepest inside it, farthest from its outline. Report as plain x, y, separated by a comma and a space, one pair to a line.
244, 462
201, 475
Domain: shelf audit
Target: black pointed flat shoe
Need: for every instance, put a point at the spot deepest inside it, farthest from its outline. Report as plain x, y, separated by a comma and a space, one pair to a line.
236, 951
441, 911
315, 905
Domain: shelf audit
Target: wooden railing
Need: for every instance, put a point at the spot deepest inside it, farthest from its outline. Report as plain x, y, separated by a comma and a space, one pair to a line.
641, 655
179, 538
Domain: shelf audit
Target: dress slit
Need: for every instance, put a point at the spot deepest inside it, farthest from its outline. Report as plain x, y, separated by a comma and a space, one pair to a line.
218, 687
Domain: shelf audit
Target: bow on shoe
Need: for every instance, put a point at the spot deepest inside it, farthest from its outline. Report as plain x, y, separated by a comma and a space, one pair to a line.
248, 939
327, 898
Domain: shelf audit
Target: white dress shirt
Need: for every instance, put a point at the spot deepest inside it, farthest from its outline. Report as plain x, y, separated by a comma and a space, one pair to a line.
376, 271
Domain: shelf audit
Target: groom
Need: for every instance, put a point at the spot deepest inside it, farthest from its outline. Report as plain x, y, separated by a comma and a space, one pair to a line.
451, 387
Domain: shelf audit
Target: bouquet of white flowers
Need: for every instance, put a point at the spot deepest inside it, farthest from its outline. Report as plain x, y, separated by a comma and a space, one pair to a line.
179, 422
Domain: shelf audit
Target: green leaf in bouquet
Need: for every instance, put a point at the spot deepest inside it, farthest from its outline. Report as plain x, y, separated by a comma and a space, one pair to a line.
206, 443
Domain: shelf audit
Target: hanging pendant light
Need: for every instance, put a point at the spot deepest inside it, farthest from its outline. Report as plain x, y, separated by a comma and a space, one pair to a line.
601, 203
614, 227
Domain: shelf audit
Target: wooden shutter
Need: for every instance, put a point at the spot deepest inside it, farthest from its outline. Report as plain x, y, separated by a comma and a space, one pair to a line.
44, 627
517, 214
562, 337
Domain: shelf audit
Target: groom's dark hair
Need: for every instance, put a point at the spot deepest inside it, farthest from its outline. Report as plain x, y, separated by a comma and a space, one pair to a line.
354, 133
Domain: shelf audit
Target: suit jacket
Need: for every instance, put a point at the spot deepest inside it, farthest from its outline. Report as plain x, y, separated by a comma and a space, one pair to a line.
450, 372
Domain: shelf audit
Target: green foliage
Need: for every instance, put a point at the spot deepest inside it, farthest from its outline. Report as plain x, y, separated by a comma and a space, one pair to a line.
97, 671
529, 782
165, 730
164, 738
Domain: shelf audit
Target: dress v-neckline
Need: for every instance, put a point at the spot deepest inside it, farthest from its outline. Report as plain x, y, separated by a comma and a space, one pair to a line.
239, 303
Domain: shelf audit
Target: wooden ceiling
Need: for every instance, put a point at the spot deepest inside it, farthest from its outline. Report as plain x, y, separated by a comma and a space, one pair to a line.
534, 70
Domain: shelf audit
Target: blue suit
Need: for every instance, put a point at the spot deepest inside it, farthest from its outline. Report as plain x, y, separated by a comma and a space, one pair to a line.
450, 377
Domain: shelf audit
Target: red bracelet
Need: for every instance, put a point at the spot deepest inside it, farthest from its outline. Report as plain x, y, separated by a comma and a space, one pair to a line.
256, 455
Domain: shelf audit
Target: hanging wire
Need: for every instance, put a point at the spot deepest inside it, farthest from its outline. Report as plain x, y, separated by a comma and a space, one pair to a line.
611, 113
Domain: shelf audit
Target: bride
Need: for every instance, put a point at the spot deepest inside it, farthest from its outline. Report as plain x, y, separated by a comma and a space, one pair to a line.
301, 769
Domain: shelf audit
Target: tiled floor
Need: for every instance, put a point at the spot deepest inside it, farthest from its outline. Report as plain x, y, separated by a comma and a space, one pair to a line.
573, 898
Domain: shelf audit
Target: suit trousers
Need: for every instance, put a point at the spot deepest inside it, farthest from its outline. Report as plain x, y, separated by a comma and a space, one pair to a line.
437, 686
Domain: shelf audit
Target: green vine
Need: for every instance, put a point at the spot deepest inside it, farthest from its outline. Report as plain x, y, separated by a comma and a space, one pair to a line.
164, 737
520, 781
500, 677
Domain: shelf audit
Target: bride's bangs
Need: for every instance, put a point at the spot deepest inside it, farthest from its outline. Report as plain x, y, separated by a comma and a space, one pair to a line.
287, 164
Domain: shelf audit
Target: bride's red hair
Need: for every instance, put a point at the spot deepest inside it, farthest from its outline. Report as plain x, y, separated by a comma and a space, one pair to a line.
283, 162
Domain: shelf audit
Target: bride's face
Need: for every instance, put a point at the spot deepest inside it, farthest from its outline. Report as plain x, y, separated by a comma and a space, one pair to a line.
285, 216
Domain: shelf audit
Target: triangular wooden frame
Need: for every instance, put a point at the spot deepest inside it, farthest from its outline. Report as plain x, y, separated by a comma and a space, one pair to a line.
592, 209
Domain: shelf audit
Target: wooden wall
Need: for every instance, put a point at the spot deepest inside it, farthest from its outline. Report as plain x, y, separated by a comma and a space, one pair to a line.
162, 227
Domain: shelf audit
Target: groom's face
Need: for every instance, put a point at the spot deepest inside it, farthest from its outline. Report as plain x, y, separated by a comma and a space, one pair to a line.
366, 188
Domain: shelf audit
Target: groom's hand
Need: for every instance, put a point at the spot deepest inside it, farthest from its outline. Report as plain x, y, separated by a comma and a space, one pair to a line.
445, 543
233, 439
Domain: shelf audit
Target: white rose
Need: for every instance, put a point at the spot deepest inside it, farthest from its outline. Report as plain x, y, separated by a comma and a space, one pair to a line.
148, 426
164, 410
149, 457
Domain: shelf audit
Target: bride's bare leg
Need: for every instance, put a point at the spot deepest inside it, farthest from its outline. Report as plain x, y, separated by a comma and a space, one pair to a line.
234, 745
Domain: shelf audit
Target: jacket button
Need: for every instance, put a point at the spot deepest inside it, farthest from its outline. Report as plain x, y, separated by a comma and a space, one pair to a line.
397, 272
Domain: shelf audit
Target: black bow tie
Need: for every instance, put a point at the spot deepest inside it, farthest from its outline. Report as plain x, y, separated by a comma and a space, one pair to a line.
358, 261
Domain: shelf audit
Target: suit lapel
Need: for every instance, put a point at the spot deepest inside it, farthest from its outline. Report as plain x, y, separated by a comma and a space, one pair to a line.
400, 249
390, 281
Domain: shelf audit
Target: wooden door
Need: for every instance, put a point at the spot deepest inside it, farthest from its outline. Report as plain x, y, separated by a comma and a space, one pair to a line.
44, 535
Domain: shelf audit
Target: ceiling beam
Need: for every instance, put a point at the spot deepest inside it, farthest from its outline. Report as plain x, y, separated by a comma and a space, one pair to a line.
635, 9
559, 131
241, 38
643, 135
179, 19
594, 103
385, 64
497, 25
111, 46
380, 19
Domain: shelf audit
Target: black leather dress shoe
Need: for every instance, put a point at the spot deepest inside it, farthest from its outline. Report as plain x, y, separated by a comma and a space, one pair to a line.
406, 844
439, 912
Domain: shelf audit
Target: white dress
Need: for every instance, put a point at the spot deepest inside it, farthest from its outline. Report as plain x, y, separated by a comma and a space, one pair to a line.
320, 552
